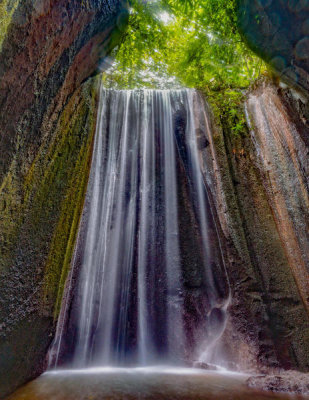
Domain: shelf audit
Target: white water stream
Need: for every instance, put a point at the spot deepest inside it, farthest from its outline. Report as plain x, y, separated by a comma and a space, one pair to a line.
138, 299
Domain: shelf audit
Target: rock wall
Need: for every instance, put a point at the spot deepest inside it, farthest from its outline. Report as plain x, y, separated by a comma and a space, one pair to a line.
282, 159
257, 183
47, 122
259, 188
278, 31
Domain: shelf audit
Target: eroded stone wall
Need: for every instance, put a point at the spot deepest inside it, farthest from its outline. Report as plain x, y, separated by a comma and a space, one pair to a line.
259, 188
47, 122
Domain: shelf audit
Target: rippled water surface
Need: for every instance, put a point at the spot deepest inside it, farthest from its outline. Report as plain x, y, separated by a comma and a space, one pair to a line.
141, 383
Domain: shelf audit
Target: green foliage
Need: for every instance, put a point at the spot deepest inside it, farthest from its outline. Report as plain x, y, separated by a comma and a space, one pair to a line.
227, 106
194, 41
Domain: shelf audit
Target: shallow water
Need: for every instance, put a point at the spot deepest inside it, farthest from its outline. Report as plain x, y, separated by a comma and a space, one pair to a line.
141, 383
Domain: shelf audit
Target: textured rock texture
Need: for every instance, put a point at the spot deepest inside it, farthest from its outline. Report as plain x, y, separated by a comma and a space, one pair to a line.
282, 158
284, 382
278, 30
47, 122
257, 181
260, 193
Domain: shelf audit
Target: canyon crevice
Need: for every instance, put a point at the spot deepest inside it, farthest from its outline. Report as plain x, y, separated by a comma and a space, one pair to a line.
256, 181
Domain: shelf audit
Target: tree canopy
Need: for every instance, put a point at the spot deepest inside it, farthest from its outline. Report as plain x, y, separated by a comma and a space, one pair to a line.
192, 43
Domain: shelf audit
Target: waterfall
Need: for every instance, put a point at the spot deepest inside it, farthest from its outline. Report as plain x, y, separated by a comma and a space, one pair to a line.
150, 281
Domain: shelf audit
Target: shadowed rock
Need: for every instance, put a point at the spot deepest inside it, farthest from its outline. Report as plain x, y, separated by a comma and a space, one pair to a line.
278, 31
47, 121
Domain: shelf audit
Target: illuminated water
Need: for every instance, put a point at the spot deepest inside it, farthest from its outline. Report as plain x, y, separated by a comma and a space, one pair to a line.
142, 383
147, 285
152, 287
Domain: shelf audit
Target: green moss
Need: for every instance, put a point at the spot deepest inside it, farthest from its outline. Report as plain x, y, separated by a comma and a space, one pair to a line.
10, 217
41, 209
7, 9
55, 187
41, 202
62, 246
228, 108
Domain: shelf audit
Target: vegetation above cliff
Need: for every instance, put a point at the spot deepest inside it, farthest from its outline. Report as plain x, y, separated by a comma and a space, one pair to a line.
191, 43
184, 43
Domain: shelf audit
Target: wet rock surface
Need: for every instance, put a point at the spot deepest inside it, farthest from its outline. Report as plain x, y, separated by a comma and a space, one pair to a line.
47, 122
282, 158
268, 271
285, 382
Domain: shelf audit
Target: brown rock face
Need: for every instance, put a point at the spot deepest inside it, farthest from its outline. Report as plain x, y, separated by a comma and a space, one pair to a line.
260, 192
51, 47
47, 122
289, 382
283, 163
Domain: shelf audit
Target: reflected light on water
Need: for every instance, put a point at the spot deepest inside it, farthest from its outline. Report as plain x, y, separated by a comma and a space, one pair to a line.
156, 369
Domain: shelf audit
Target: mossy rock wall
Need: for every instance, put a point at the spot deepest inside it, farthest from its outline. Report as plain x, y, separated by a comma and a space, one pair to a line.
48, 103
38, 230
269, 322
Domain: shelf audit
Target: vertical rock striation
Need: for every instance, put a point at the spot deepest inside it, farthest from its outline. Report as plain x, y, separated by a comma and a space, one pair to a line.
282, 158
260, 191
47, 122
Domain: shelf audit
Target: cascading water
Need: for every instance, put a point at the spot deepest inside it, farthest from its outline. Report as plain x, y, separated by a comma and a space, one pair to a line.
151, 285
